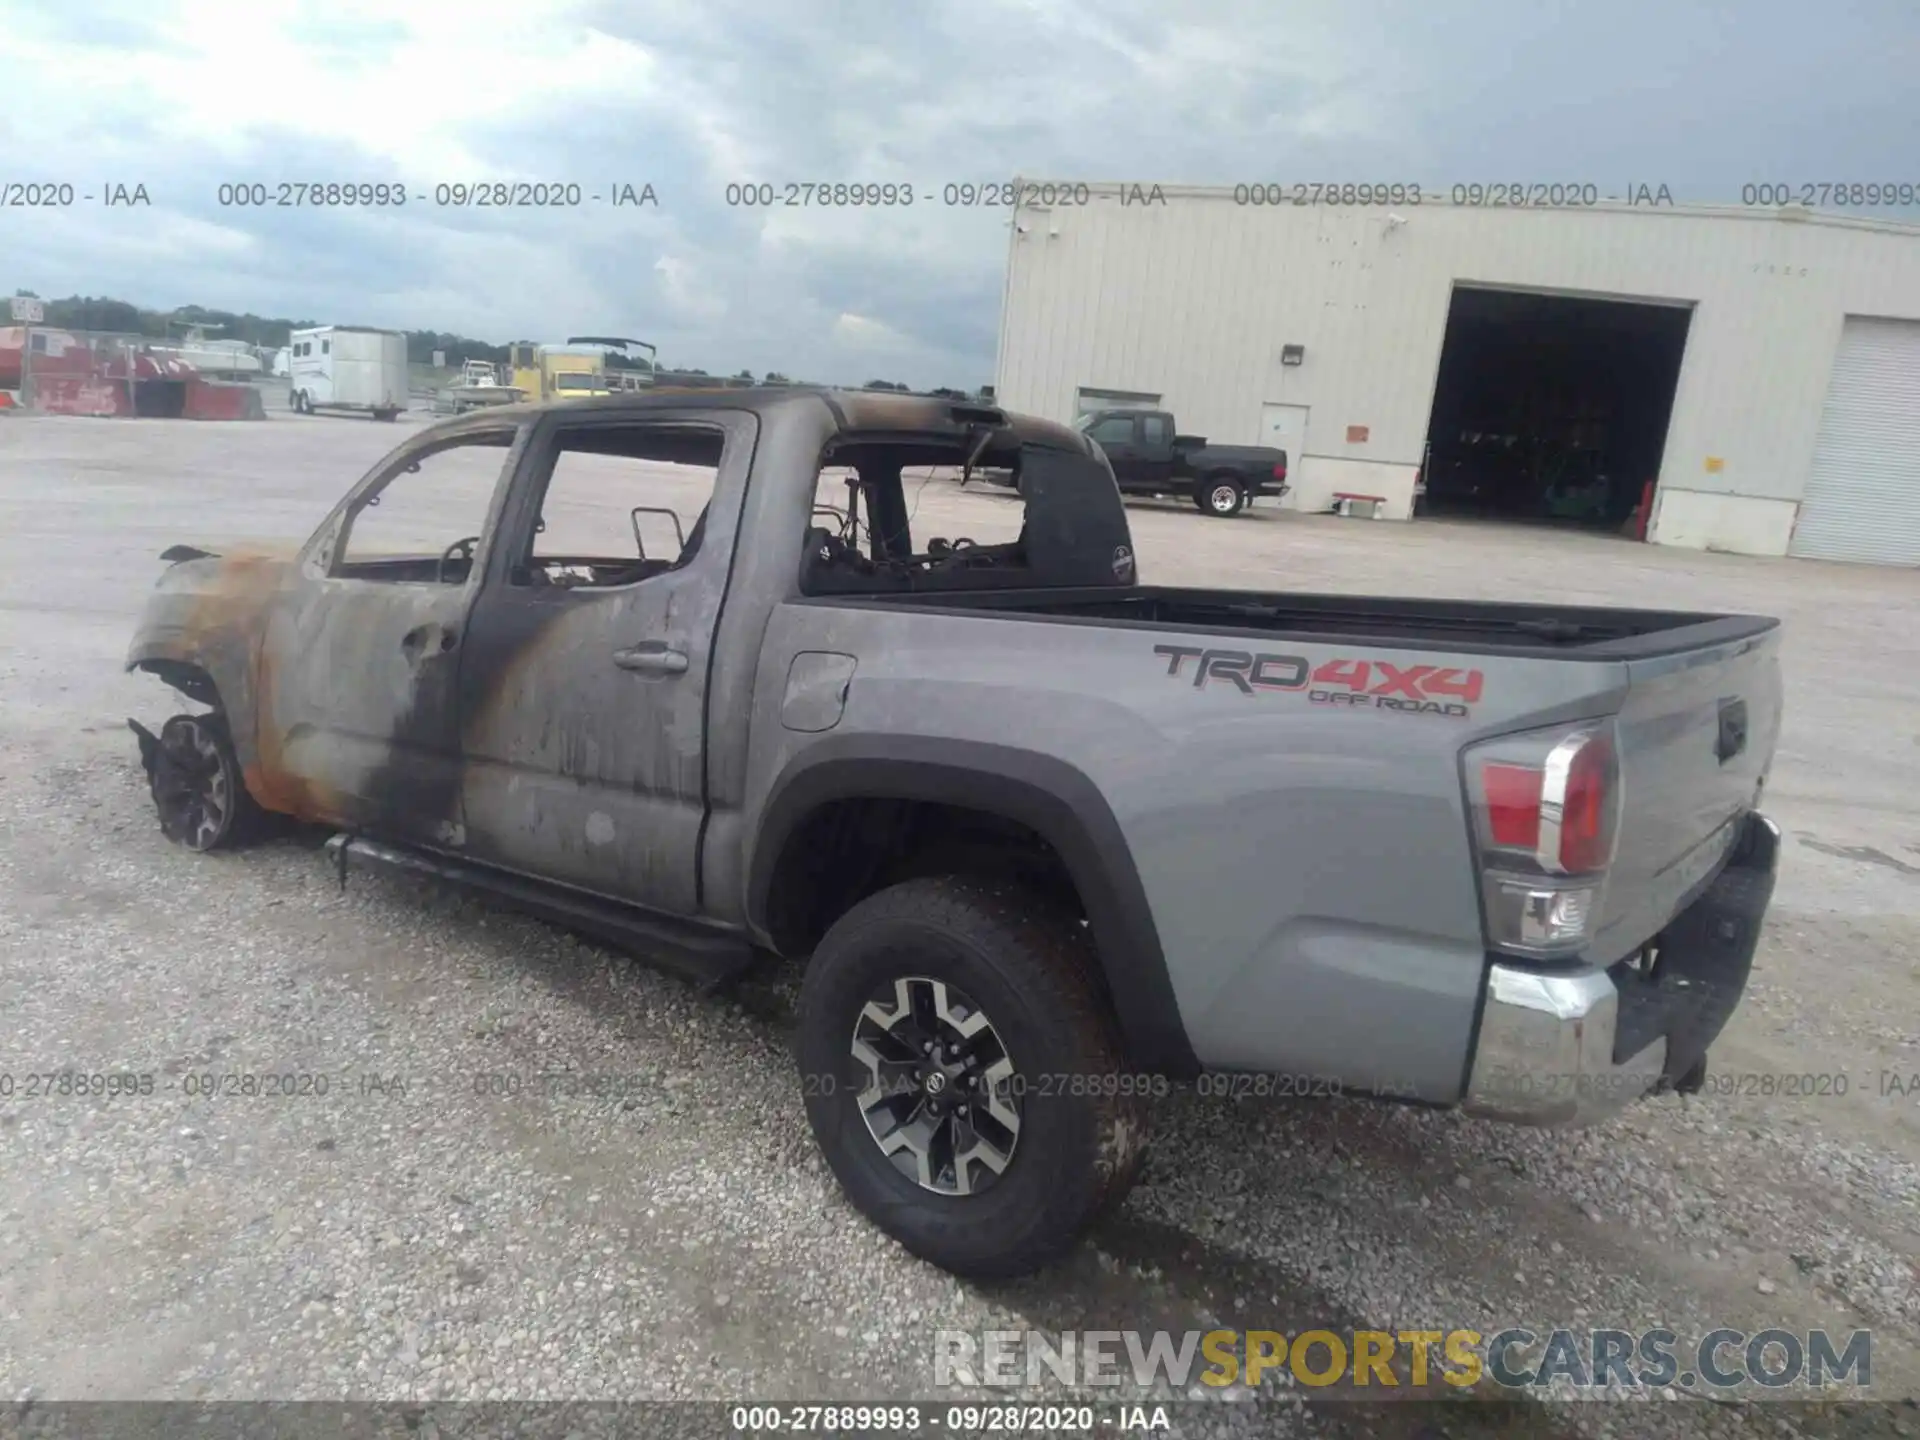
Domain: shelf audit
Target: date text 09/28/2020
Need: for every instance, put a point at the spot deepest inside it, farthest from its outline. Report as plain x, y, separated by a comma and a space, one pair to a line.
447, 194
558, 1083
1496, 194
1014, 194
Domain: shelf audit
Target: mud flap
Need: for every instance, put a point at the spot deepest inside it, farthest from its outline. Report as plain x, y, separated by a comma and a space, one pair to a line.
149, 747
1704, 958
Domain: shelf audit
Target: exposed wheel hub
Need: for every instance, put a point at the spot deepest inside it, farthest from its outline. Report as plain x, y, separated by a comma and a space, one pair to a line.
940, 1094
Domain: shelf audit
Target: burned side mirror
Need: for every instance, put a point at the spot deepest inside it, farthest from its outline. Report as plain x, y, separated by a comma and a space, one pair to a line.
639, 540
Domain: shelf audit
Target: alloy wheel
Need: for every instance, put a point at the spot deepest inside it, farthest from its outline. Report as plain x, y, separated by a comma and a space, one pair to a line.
192, 784
942, 1098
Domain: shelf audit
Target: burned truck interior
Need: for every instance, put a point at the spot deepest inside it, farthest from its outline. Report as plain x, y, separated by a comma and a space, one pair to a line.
610, 501
663, 538
1073, 533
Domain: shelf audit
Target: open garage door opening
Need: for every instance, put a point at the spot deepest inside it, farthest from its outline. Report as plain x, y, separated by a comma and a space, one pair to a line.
1551, 408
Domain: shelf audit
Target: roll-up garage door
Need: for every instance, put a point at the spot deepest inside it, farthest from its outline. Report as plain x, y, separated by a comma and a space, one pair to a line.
1863, 494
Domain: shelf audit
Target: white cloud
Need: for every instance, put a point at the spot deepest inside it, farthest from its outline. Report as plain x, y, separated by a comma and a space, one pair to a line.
185, 94
687, 291
403, 84
870, 336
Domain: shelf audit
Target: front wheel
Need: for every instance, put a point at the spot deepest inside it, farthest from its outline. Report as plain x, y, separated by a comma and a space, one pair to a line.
964, 1076
197, 785
1221, 495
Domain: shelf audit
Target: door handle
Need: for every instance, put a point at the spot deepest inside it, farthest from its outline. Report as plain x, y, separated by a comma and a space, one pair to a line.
652, 657
425, 640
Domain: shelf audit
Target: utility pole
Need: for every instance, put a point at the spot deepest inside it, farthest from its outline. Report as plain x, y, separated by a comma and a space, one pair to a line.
29, 312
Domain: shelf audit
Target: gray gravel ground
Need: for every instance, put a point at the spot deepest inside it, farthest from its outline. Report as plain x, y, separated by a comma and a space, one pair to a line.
442, 1225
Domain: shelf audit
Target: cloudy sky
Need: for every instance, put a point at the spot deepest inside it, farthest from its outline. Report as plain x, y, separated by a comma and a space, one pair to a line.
183, 95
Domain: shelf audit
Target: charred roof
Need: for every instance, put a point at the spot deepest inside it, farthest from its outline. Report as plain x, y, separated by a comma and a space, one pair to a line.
863, 413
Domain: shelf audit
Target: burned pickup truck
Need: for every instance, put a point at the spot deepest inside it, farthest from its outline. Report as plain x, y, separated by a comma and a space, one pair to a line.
1045, 838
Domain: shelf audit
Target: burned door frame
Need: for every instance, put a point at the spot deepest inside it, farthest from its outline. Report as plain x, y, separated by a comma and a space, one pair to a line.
583, 730
358, 674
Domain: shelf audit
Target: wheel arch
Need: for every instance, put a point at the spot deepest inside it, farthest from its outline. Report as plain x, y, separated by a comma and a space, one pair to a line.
189, 677
214, 675
1043, 794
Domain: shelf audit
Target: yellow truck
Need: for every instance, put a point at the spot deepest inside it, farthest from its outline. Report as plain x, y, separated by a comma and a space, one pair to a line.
556, 372
574, 370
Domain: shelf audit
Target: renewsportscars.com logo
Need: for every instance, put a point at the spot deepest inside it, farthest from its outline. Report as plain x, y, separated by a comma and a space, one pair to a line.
1373, 1361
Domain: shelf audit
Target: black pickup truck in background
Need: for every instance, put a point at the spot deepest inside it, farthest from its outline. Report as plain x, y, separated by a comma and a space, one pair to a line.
1149, 458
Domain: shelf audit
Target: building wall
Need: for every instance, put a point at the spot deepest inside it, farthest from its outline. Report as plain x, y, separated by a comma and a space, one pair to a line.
1194, 299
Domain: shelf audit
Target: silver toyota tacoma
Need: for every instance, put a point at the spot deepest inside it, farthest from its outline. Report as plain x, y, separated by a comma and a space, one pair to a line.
1045, 838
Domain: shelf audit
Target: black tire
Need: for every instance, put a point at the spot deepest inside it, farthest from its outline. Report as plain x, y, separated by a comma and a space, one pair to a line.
1030, 969
1220, 495
198, 788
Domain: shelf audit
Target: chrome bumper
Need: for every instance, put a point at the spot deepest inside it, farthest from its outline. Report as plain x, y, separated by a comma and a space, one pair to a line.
1545, 1055
1572, 1048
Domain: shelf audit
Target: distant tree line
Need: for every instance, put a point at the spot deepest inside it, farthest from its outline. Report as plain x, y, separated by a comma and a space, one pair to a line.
102, 312
458, 349
91, 312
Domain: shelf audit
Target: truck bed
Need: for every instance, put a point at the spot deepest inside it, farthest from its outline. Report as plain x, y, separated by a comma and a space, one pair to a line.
1467, 626
1307, 848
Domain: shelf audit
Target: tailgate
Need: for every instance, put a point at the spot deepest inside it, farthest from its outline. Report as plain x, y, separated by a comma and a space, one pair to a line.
1696, 738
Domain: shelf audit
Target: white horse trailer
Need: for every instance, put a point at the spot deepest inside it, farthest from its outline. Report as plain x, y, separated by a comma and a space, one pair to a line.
349, 367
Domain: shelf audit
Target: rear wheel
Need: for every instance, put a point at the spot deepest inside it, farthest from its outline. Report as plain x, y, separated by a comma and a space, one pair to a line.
963, 1074
1221, 495
197, 786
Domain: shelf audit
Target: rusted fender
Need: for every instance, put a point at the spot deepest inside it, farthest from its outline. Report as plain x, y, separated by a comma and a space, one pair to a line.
209, 612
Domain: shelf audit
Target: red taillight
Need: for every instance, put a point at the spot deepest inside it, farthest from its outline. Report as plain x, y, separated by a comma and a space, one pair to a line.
1558, 813
1585, 839
1280, 471
1545, 809
1513, 804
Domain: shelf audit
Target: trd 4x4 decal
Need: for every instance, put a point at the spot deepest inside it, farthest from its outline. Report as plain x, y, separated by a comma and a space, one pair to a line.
1241, 668
1363, 684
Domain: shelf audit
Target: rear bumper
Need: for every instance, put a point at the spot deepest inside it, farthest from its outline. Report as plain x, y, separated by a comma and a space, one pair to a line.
1570, 1047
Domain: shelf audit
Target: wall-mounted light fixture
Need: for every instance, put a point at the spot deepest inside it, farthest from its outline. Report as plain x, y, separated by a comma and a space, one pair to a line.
1293, 354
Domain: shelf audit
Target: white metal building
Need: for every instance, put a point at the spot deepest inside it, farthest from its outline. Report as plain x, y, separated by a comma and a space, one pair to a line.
1789, 423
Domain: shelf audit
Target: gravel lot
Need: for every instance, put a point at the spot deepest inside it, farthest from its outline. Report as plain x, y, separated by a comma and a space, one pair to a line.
405, 1238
